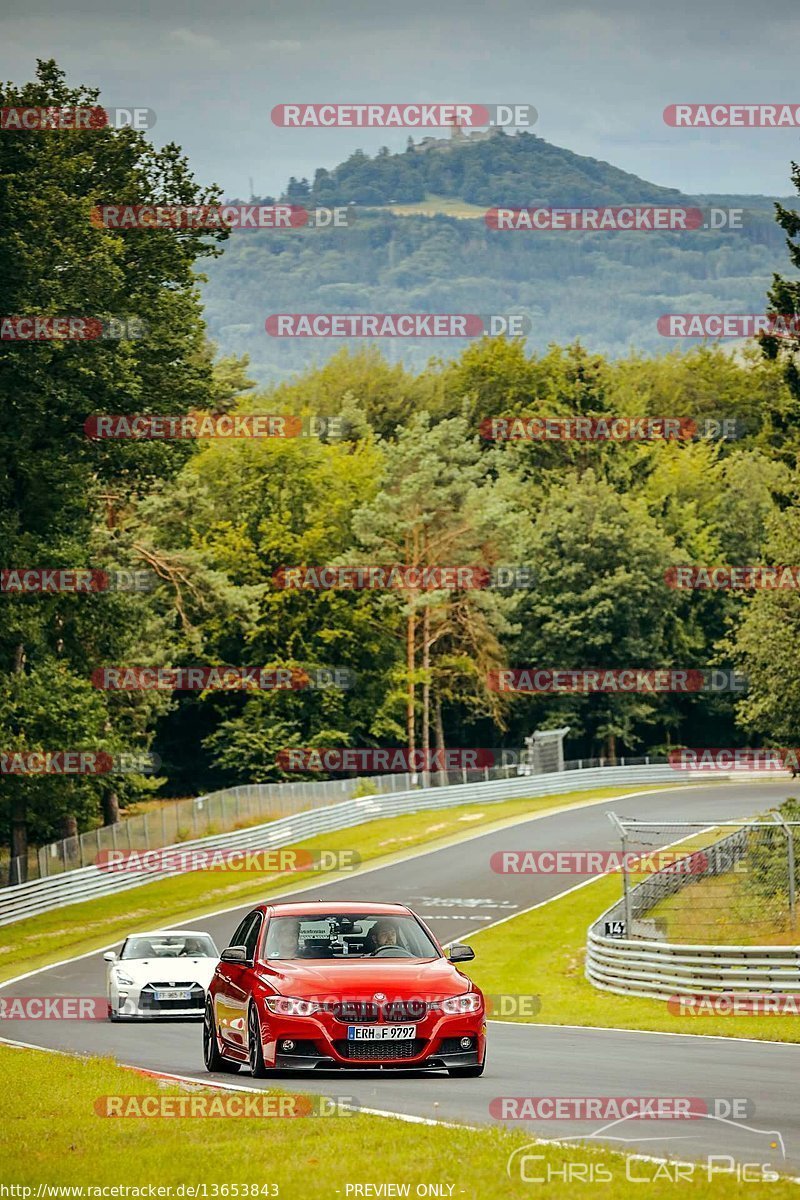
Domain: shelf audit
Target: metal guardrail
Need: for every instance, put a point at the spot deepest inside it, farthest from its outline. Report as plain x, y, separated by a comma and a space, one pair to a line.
255, 803
661, 970
200, 816
86, 883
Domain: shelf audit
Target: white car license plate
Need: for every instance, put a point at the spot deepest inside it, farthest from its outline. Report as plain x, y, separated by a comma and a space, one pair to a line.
173, 994
380, 1033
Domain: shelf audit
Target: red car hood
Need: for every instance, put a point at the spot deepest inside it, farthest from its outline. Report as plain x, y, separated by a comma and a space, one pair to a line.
399, 979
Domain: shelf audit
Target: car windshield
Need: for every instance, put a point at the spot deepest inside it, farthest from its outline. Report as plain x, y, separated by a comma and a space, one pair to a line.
348, 935
161, 945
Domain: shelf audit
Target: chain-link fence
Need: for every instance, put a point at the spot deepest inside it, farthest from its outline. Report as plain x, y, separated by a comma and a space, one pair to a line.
733, 883
182, 820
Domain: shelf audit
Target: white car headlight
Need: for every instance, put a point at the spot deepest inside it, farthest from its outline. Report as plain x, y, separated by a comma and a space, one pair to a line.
467, 1002
121, 977
290, 1006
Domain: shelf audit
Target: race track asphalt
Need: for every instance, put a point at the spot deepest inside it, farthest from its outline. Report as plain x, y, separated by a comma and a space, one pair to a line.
455, 890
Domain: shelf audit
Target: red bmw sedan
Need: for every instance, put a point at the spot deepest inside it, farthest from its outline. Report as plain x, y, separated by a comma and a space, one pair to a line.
316, 985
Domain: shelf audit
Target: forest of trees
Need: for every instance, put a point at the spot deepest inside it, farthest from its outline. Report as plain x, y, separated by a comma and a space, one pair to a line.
410, 480
606, 288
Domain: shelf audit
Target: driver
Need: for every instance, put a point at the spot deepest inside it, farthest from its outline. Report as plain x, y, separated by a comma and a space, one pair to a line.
383, 933
284, 939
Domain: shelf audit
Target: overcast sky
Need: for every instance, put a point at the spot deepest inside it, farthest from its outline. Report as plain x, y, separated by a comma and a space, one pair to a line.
599, 75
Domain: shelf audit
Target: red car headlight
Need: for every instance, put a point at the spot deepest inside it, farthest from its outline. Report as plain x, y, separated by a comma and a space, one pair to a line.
290, 1006
468, 1002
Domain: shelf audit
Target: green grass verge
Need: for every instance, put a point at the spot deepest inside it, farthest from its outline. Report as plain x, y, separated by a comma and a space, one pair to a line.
433, 206
78, 928
721, 910
53, 1135
543, 953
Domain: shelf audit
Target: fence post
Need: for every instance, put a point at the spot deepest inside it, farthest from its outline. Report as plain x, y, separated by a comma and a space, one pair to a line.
625, 880
790, 865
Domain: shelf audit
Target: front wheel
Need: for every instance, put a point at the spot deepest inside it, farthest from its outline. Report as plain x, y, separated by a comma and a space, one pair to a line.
255, 1050
211, 1051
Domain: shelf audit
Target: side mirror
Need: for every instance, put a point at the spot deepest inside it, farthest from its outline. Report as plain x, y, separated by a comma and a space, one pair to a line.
234, 954
110, 956
461, 953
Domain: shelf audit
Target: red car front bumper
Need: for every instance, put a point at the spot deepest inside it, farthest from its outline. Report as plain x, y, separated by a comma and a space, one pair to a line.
320, 1041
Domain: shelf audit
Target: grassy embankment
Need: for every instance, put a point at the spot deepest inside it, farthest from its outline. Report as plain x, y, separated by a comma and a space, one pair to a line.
54, 1135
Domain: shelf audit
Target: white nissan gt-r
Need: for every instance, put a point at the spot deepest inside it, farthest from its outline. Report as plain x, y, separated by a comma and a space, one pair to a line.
160, 974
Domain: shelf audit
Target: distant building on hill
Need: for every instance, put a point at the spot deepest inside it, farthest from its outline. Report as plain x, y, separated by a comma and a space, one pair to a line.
458, 136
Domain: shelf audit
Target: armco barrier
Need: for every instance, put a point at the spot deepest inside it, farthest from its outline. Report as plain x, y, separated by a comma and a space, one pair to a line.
660, 969
201, 816
42, 895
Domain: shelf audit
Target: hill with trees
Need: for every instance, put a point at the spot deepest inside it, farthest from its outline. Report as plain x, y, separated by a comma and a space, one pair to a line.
607, 289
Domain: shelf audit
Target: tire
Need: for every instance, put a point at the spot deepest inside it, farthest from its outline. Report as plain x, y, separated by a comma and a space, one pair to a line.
255, 1051
112, 1016
211, 1051
467, 1072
